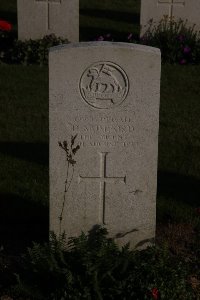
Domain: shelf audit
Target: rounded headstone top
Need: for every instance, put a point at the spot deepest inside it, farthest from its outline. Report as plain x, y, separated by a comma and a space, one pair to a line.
130, 46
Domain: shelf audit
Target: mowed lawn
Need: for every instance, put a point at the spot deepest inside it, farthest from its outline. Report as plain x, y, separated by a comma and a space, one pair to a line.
24, 129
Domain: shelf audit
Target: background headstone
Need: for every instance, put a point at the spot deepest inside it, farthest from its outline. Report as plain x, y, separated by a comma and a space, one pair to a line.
156, 9
108, 95
37, 18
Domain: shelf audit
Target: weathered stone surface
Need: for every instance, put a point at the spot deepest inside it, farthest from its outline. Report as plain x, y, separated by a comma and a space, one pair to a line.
37, 18
108, 95
156, 9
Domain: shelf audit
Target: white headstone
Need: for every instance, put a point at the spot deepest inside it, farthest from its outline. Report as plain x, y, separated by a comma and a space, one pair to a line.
37, 18
108, 95
156, 9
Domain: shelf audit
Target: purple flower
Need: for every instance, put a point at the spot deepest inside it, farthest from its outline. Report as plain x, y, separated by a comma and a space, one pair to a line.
182, 61
181, 38
198, 211
100, 38
108, 35
130, 36
186, 49
143, 39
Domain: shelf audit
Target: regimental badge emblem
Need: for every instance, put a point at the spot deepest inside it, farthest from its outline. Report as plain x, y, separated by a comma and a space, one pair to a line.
104, 85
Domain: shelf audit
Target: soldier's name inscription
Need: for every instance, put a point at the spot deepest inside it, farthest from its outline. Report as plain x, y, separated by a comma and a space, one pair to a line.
103, 131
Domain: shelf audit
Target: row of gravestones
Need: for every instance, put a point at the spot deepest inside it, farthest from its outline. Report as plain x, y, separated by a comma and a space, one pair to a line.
37, 18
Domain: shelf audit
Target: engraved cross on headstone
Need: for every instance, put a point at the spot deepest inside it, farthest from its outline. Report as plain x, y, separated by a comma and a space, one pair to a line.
102, 179
49, 2
171, 4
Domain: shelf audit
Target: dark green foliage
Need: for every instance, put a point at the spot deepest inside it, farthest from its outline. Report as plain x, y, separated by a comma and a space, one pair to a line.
93, 267
7, 40
29, 51
178, 42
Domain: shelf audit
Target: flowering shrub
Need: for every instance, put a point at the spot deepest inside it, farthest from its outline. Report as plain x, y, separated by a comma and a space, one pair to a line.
29, 51
25, 52
178, 42
116, 38
6, 39
34, 51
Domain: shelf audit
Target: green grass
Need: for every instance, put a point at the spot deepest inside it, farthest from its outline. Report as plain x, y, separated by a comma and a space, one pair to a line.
179, 144
24, 132
24, 105
117, 18
179, 140
8, 6
23, 151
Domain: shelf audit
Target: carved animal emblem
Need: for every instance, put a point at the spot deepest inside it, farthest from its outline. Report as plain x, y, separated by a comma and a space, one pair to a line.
104, 85
103, 80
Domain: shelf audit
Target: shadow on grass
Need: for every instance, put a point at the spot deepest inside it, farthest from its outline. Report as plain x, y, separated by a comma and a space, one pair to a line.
21, 222
119, 34
33, 152
9, 16
127, 17
182, 188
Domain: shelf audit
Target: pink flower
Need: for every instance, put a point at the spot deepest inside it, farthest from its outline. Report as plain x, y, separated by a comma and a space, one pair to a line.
181, 38
186, 49
108, 35
155, 293
198, 211
130, 36
5, 26
100, 38
143, 39
183, 61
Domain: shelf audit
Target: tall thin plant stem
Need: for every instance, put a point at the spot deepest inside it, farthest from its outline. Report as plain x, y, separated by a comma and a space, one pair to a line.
70, 153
